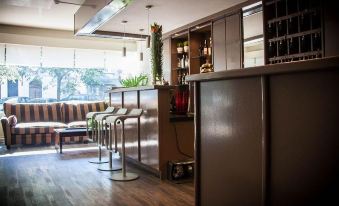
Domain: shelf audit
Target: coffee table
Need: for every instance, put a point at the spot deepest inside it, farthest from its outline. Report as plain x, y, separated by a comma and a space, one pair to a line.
70, 132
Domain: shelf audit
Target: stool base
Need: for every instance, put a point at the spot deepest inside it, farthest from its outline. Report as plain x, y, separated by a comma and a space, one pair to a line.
96, 161
119, 177
115, 167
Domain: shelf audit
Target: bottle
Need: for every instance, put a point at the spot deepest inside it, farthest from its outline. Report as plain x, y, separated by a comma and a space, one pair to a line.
316, 38
292, 46
205, 48
182, 62
304, 22
271, 31
271, 50
201, 50
303, 44
210, 47
186, 62
316, 20
282, 48
281, 28
292, 25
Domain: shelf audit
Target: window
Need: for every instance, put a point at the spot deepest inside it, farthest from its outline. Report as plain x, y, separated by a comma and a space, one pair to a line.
253, 35
44, 74
57, 57
35, 89
22, 55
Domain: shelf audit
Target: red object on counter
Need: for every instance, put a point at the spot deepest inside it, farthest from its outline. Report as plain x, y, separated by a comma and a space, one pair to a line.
181, 99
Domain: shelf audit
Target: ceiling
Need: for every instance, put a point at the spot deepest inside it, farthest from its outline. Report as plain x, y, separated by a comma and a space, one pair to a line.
38, 13
169, 13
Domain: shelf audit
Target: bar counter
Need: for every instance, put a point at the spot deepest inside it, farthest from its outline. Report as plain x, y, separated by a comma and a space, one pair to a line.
152, 142
268, 135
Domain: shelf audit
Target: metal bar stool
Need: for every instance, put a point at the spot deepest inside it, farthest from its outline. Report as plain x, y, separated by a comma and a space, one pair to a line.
123, 175
105, 138
94, 133
91, 115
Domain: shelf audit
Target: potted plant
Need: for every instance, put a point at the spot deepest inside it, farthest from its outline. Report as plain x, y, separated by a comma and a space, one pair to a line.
180, 48
156, 53
135, 81
185, 46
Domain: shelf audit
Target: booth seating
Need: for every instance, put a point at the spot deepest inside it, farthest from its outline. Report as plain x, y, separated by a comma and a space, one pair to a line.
123, 175
34, 124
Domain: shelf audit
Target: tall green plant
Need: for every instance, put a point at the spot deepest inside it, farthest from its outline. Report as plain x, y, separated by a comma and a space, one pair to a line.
156, 52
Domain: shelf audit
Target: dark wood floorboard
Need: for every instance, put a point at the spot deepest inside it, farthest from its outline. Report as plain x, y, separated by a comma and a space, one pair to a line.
68, 179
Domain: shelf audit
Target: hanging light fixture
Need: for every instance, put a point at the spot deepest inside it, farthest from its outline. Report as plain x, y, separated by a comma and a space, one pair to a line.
141, 52
148, 39
124, 47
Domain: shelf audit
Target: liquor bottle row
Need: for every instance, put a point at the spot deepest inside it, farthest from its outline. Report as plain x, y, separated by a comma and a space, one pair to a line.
181, 75
292, 25
279, 8
295, 45
205, 49
183, 61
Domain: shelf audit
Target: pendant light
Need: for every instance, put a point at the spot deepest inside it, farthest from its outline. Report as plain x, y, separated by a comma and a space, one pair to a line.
141, 52
124, 47
148, 39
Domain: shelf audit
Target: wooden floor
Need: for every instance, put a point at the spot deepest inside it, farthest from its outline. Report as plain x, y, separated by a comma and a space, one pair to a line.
68, 179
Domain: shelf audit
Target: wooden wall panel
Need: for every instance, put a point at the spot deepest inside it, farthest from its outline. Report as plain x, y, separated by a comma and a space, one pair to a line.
234, 41
219, 45
131, 126
304, 138
149, 128
230, 142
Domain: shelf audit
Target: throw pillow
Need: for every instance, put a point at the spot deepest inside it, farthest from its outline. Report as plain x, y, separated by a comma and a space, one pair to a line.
12, 120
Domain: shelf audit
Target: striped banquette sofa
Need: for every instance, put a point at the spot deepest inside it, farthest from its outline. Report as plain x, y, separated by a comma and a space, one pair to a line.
34, 124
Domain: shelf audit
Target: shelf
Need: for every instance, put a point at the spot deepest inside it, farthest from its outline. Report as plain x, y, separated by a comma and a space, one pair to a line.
292, 56
270, 3
180, 68
308, 11
199, 57
288, 36
180, 55
180, 35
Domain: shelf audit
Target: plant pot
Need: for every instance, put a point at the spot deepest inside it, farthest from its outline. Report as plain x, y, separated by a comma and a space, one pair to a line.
180, 50
186, 49
157, 80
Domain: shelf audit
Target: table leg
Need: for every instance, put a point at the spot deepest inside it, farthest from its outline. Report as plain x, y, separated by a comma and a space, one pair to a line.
60, 143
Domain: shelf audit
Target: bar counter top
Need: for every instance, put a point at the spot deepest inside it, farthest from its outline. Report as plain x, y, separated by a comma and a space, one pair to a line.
301, 66
123, 89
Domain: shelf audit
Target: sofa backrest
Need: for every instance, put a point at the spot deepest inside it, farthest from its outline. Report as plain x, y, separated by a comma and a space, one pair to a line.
25, 112
77, 111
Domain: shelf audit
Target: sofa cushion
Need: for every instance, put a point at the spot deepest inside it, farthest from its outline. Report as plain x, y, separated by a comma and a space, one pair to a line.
37, 127
77, 111
77, 124
34, 112
12, 120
